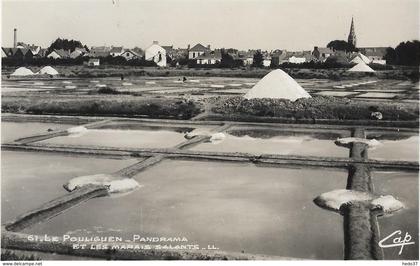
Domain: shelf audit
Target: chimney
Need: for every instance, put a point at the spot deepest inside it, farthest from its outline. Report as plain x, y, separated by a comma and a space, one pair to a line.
188, 48
208, 47
14, 38
155, 42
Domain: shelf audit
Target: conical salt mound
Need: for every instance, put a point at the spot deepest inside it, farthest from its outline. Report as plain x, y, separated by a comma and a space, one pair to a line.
47, 70
277, 85
22, 71
361, 67
360, 58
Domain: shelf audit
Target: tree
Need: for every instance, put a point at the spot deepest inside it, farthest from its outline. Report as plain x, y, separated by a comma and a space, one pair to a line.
65, 45
406, 53
258, 59
390, 56
340, 45
228, 60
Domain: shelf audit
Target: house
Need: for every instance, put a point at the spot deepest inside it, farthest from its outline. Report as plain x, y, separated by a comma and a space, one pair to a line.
322, 53
210, 58
375, 54
156, 53
116, 51
129, 54
99, 51
77, 52
138, 51
247, 57
278, 57
198, 50
93, 62
17, 53
266, 60
170, 51
59, 54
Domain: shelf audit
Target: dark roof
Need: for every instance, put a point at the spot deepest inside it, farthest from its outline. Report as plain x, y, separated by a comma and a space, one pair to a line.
325, 50
62, 53
216, 55
199, 48
116, 50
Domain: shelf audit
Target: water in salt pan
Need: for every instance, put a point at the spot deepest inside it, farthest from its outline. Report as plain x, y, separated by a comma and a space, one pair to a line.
136, 138
236, 207
11, 131
268, 141
30, 179
404, 187
401, 149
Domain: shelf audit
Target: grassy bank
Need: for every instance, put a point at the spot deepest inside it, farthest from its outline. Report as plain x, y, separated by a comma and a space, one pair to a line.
401, 73
318, 107
110, 106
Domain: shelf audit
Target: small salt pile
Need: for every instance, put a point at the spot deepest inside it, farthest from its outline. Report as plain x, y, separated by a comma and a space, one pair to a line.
114, 185
76, 131
22, 71
48, 70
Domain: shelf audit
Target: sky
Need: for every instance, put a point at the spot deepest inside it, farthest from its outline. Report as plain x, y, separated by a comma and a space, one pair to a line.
242, 24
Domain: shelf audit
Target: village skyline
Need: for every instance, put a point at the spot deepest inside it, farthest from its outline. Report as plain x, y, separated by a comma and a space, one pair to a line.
112, 25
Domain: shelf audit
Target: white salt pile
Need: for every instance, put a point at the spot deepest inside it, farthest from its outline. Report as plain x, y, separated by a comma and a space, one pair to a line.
48, 70
194, 81
388, 203
277, 85
127, 84
217, 137
361, 67
372, 143
360, 58
100, 85
114, 185
70, 87
214, 137
76, 131
197, 132
150, 82
334, 199
67, 82
94, 81
22, 71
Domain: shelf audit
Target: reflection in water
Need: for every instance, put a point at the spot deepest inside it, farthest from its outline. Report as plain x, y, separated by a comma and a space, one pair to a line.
236, 207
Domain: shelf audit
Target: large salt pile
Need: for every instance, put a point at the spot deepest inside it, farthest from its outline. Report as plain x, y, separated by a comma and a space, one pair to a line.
361, 67
278, 85
22, 71
361, 58
48, 70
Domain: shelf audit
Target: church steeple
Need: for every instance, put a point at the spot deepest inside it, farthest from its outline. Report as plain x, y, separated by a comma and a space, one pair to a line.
352, 35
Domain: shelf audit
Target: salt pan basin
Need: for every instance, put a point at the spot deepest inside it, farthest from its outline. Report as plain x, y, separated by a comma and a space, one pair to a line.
121, 138
404, 148
30, 179
233, 206
259, 141
404, 186
11, 130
